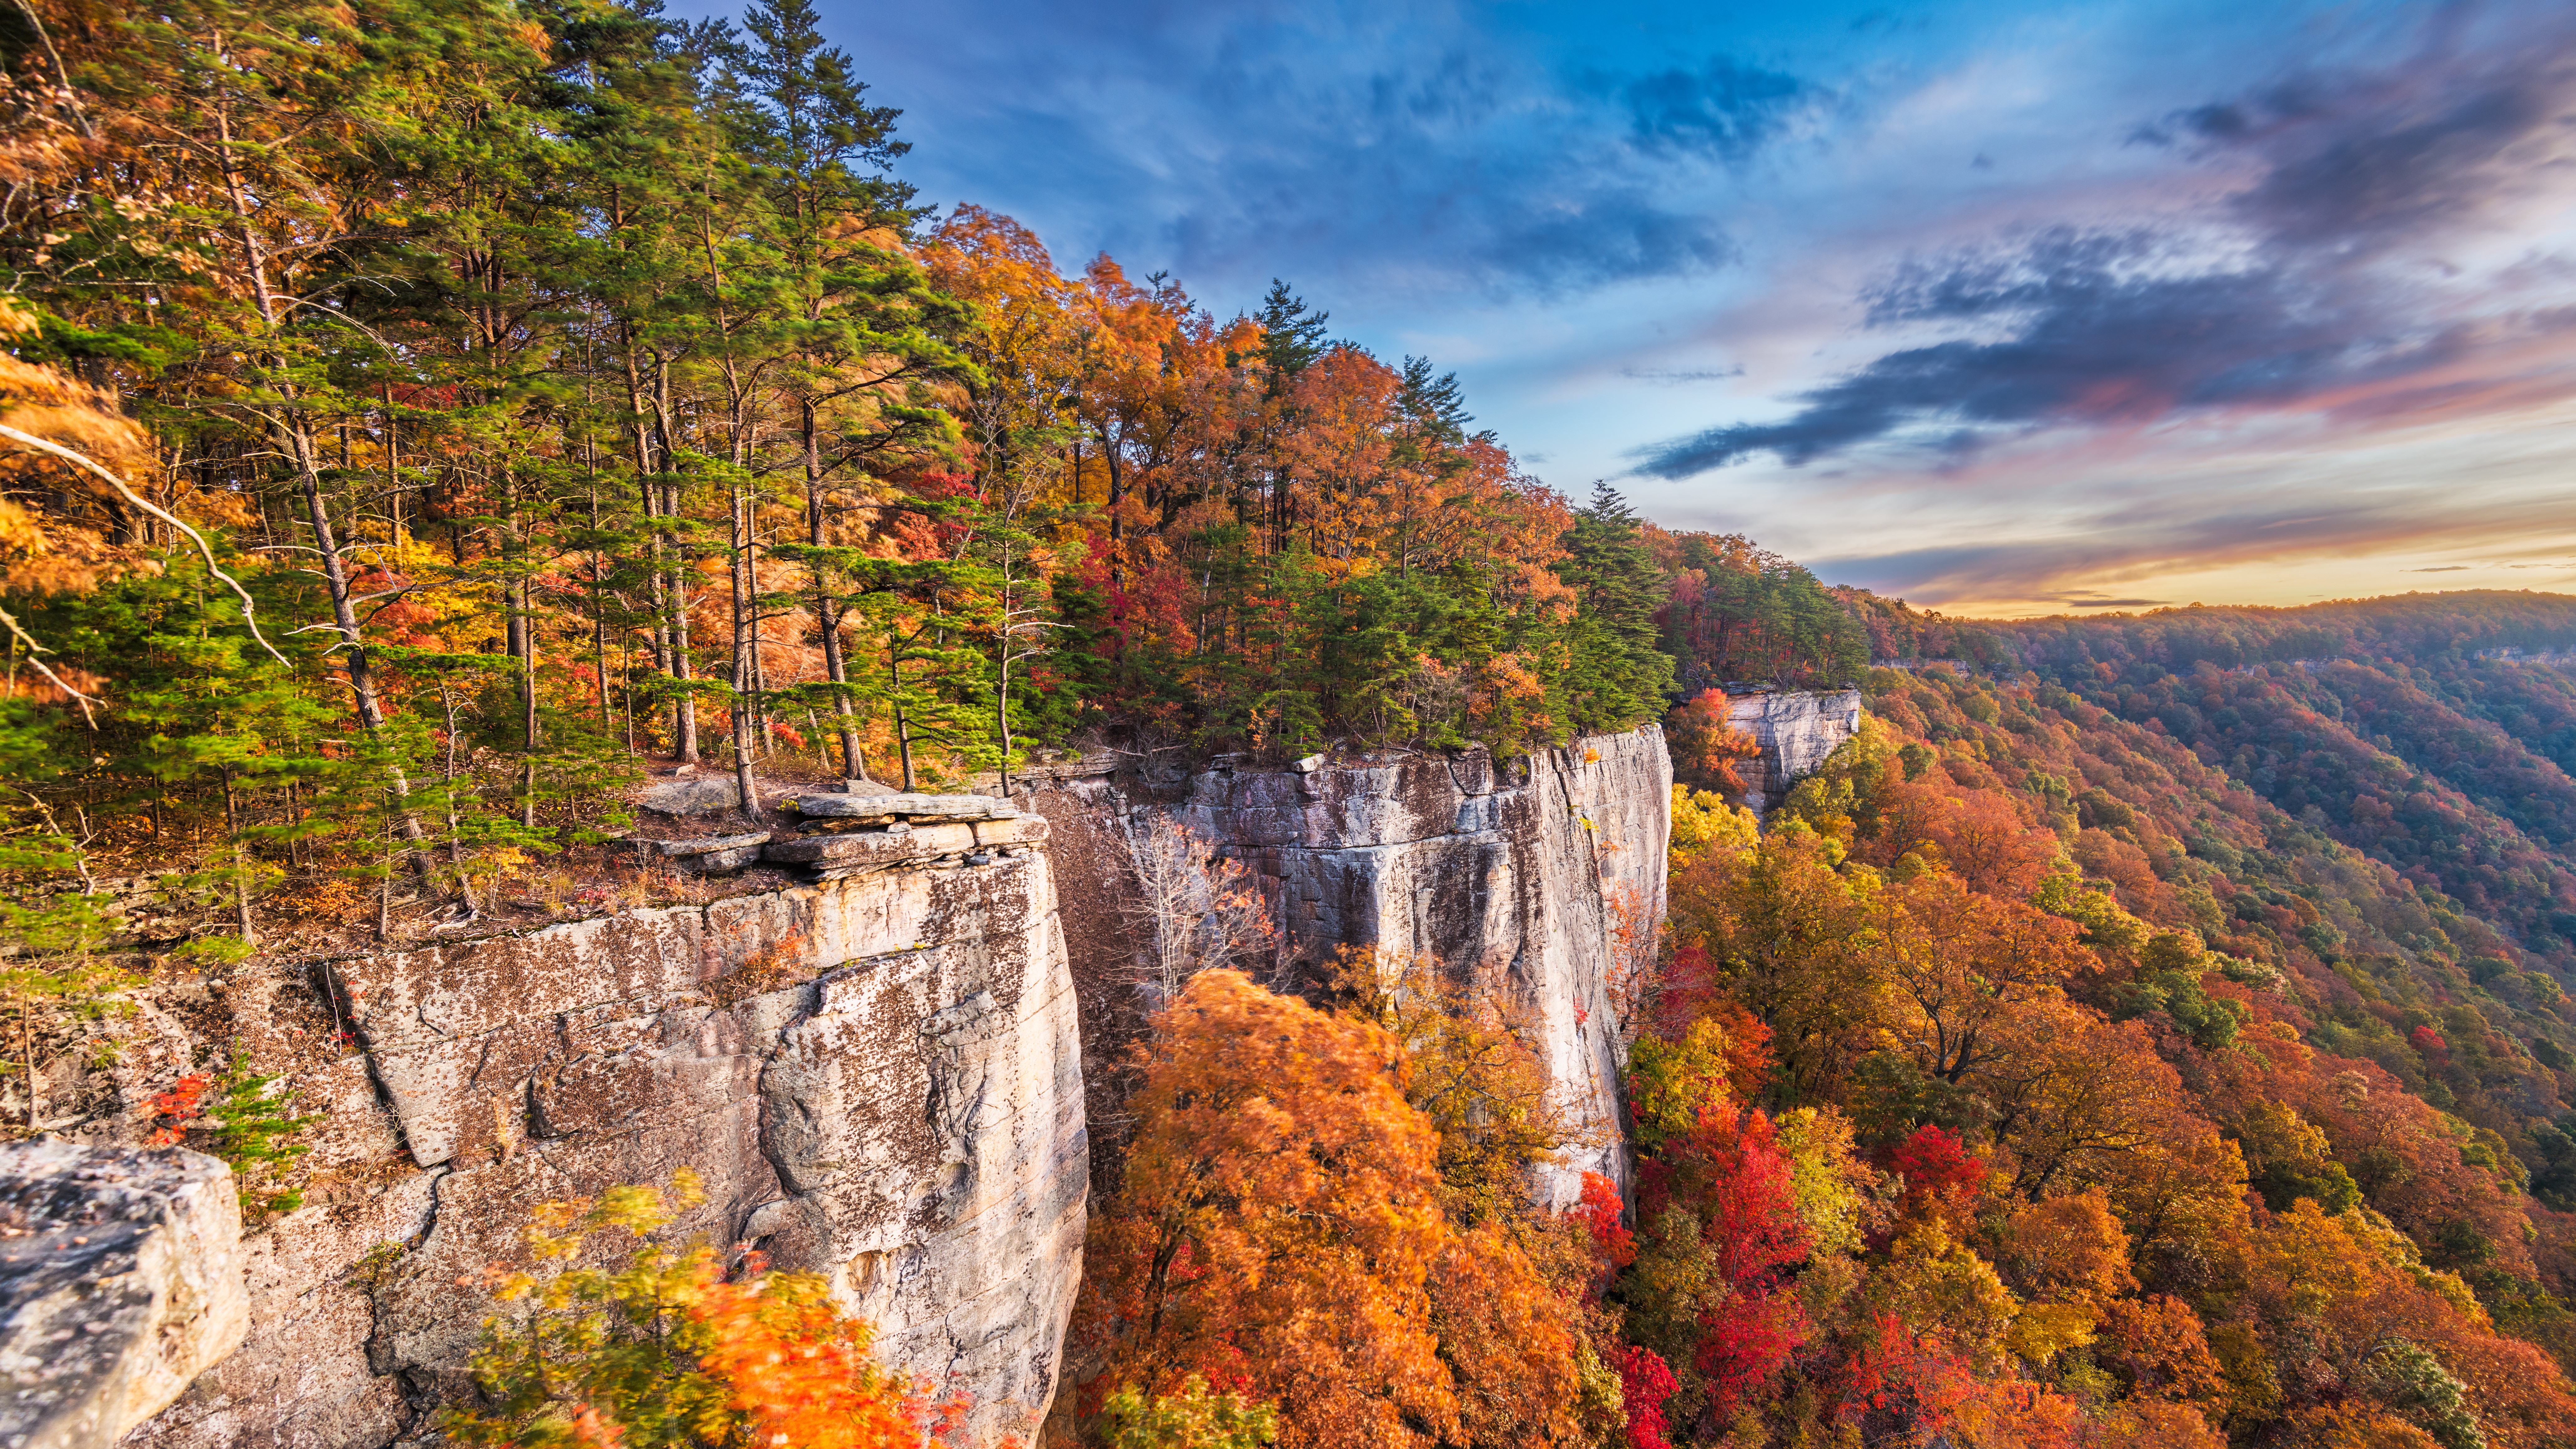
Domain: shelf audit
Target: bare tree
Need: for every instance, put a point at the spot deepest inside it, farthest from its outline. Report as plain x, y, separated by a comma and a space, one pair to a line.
1197, 911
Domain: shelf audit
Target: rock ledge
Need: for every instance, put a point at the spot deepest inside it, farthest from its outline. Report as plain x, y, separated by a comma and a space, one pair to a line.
120, 1282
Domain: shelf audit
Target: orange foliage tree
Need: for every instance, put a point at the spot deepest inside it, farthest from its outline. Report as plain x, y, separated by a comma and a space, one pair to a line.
1706, 744
1279, 1233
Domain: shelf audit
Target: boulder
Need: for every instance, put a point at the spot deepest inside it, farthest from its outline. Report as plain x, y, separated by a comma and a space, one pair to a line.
718, 862
706, 854
120, 1282
871, 847
701, 845
696, 795
897, 807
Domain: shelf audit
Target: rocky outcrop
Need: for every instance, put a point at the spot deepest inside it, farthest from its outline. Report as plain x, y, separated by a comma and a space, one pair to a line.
1796, 732
120, 1282
875, 1076
879, 1074
1546, 873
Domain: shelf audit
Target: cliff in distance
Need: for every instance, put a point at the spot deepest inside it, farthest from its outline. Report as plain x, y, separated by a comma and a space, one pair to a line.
1796, 730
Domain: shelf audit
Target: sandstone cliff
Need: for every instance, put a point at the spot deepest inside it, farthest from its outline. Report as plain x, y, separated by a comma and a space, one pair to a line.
1796, 732
1541, 871
877, 1077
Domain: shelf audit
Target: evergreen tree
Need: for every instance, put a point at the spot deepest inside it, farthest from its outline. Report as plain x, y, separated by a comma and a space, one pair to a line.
1617, 673
1292, 338
1437, 405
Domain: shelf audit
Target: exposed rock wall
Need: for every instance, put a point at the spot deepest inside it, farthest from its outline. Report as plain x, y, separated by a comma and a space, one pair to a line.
1541, 870
1796, 732
877, 1078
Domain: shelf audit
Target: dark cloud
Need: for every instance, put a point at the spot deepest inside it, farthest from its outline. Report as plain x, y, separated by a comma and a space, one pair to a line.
1622, 235
1727, 109
2103, 327
2387, 158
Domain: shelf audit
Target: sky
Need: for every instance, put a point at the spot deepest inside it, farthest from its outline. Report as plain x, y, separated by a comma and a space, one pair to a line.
2001, 308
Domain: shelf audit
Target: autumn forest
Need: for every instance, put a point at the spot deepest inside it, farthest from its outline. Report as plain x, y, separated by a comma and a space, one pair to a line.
422, 420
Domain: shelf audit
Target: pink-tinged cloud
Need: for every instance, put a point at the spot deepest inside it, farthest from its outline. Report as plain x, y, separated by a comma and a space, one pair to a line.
2377, 255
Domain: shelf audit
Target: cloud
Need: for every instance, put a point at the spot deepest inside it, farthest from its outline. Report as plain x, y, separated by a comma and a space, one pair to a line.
1727, 109
2365, 161
2319, 280
2444, 569
1371, 152
1680, 375
1621, 235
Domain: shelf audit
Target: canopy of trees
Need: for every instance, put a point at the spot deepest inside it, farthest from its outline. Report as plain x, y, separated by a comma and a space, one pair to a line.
421, 413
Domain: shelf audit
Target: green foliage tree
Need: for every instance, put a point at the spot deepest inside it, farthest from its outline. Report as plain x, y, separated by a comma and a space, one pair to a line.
1617, 670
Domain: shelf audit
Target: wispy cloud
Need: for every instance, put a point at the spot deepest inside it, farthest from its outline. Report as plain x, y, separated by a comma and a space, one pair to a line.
1429, 151
1726, 109
1682, 375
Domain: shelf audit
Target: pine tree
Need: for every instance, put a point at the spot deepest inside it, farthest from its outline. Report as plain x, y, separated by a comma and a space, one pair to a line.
1437, 405
1292, 338
1617, 672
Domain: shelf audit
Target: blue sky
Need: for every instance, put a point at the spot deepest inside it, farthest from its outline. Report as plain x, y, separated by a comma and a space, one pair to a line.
2003, 308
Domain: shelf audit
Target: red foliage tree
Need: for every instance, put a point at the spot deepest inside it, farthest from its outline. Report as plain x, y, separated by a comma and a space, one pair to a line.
1730, 1173
1644, 1383
1939, 1171
1898, 1381
1599, 1212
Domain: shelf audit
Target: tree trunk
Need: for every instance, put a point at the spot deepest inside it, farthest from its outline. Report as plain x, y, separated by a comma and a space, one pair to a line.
684, 710
827, 610
295, 437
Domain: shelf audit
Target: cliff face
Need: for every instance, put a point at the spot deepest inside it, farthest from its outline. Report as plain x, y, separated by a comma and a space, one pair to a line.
1796, 732
877, 1078
1541, 871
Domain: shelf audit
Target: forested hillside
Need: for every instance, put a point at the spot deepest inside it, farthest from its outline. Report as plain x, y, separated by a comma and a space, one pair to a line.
2431, 731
